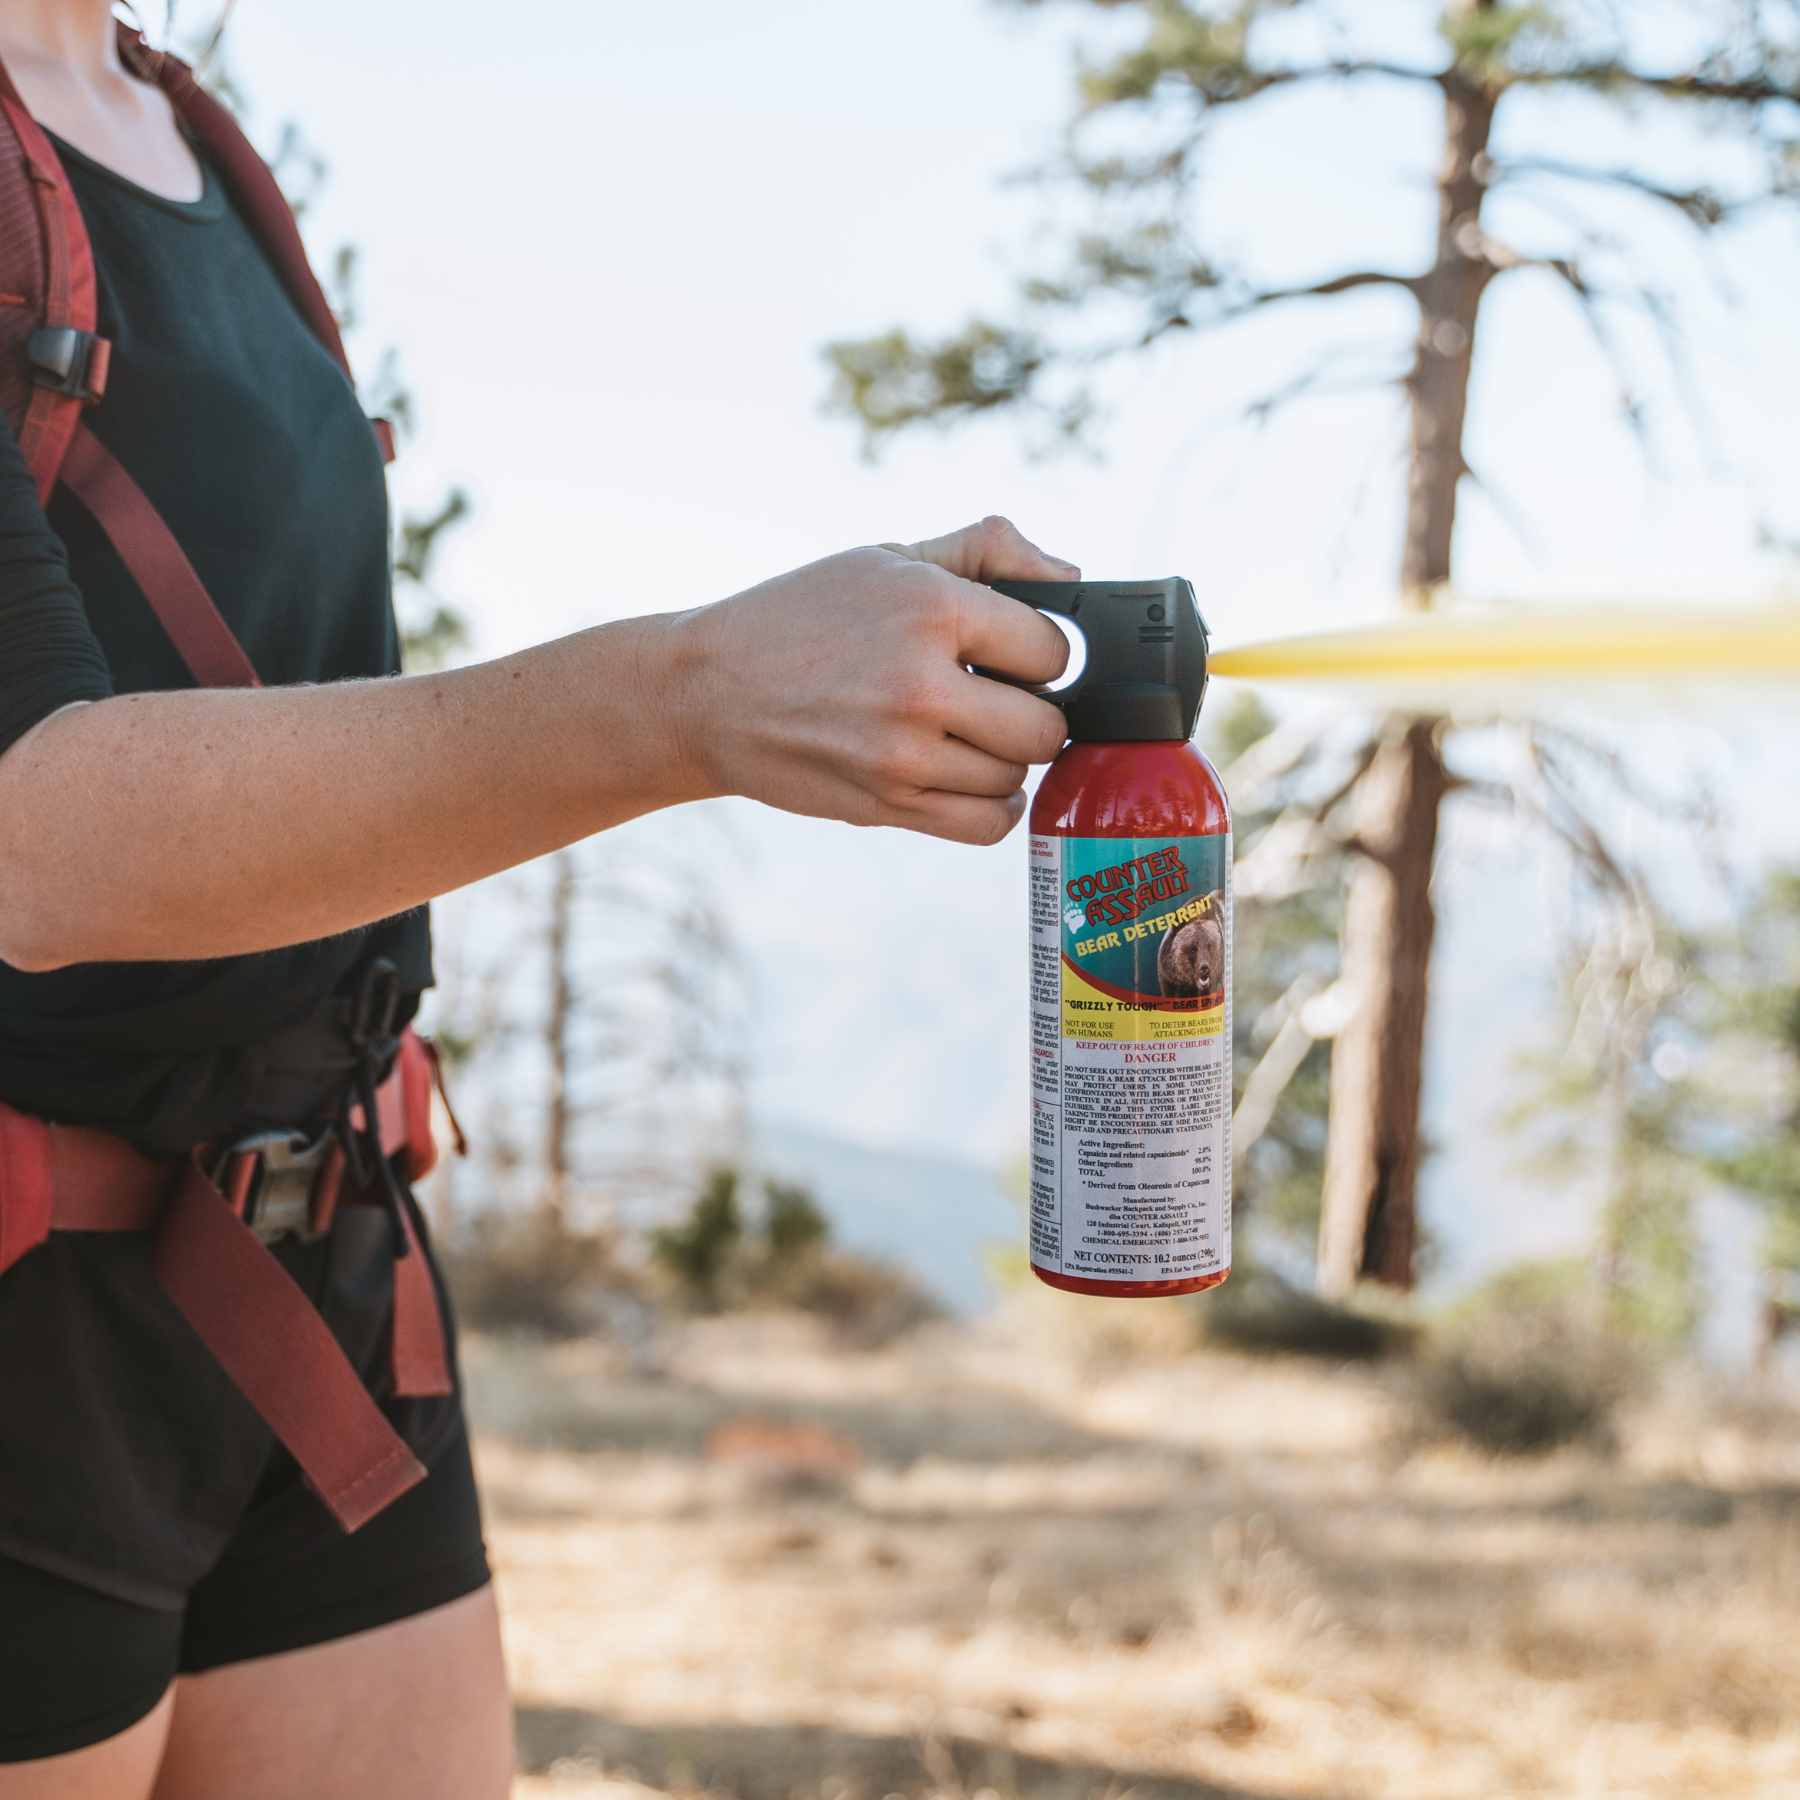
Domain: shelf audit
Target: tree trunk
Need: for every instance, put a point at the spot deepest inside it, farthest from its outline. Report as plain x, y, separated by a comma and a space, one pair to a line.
556, 1134
1367, 1224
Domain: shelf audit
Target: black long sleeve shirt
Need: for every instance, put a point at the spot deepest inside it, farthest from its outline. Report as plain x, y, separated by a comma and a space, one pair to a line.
247, 438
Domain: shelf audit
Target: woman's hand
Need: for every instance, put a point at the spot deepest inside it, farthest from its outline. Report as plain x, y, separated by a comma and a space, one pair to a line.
842, 689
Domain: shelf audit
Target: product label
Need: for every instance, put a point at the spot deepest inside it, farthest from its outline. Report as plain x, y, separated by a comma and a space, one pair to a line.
1131, 1057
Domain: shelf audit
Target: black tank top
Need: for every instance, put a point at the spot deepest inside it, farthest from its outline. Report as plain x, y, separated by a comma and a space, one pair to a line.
245, 435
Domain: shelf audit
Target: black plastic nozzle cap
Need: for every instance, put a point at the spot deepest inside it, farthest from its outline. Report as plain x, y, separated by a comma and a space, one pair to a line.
1145, 674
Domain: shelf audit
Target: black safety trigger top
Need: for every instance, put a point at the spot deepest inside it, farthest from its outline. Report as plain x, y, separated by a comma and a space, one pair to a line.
1145, 674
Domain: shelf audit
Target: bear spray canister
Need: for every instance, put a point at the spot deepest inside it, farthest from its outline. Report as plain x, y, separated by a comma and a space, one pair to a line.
1130, 920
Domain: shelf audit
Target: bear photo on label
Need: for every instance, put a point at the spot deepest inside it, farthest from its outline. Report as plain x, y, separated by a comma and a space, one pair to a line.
1190, 962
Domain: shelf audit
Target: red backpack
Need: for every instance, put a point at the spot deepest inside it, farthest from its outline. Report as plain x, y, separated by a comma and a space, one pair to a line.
210, 1254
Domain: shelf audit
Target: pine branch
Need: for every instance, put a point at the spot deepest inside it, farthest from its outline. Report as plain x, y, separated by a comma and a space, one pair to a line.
1328, 803
1151, 260
1359, 68
1657, 307
1318, 290
1266, 763
1697, 810
1616, 78
1312, 383
1212, 52
1113, 173
1597, 243
1508, 509
1556, 807
892, 382
1695, 807
1661, 311
1704, 208
1590, 300
1223, 80
889, 382
1477, 787
1292, 855
1275, 1069
1179, 318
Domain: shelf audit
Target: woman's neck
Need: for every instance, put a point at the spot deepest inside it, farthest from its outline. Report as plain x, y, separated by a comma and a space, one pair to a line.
77, 33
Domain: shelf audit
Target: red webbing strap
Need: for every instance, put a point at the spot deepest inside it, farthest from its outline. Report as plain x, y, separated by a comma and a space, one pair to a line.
253, 186
101, 1182
70, 291
413, 1068
436, 1058
25, 1184
268, 1337
158, 564
258, 194
419, 1354
421, 1359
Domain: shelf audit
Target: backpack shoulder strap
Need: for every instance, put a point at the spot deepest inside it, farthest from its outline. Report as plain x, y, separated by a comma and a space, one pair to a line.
258, 194
156, 561
52, 363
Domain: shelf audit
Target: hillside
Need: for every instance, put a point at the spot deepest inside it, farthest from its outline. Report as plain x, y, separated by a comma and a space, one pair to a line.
742, 1561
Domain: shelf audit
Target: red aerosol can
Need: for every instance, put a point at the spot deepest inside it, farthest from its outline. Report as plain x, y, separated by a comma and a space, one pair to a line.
1130, 918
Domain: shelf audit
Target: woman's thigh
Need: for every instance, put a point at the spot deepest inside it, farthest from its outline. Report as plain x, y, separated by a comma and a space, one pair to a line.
122, 1768
86, 1682
416, 1710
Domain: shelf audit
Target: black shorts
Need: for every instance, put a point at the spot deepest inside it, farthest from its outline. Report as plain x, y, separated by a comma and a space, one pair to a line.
150, 1525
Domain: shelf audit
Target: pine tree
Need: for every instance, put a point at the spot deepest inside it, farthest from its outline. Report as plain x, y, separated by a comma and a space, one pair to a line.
1173, 68
1677, 1073
1742, 1098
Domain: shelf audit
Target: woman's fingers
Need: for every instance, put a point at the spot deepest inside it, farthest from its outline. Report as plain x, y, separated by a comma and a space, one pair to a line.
1004, 721
993, 629
1001, 633
958, 768
963, 818
992, 549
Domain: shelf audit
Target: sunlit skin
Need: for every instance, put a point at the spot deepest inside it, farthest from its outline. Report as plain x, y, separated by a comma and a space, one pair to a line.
840, 690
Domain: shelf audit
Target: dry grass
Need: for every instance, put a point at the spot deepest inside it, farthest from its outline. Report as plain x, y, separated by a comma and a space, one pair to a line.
969, 1564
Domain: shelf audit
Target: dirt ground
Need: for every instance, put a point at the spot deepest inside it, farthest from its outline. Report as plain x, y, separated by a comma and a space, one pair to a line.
738, 1560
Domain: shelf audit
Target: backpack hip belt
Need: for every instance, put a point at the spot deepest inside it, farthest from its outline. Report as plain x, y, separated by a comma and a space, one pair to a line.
213, 1214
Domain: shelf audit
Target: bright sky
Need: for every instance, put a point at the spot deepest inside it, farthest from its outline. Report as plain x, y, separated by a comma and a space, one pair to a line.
611, 242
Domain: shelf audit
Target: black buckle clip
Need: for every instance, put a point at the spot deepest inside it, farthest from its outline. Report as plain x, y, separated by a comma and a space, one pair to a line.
67, 361
375, 1007
279, 1198
369, 1024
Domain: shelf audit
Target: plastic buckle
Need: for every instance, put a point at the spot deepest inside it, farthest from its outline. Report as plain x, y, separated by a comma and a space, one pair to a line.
376, 1006
279, 1199
67, 361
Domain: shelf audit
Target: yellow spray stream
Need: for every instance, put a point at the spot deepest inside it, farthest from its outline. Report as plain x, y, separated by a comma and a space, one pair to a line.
1759, 643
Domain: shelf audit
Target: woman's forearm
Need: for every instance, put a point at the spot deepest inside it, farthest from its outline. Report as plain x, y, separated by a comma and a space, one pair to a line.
173, 826
170, 826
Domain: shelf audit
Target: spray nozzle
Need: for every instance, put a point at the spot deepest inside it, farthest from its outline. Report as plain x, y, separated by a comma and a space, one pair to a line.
1145, 673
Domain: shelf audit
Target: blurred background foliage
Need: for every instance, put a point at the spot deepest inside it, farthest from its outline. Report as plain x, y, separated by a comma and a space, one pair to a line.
1673, 1070
666, 1323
